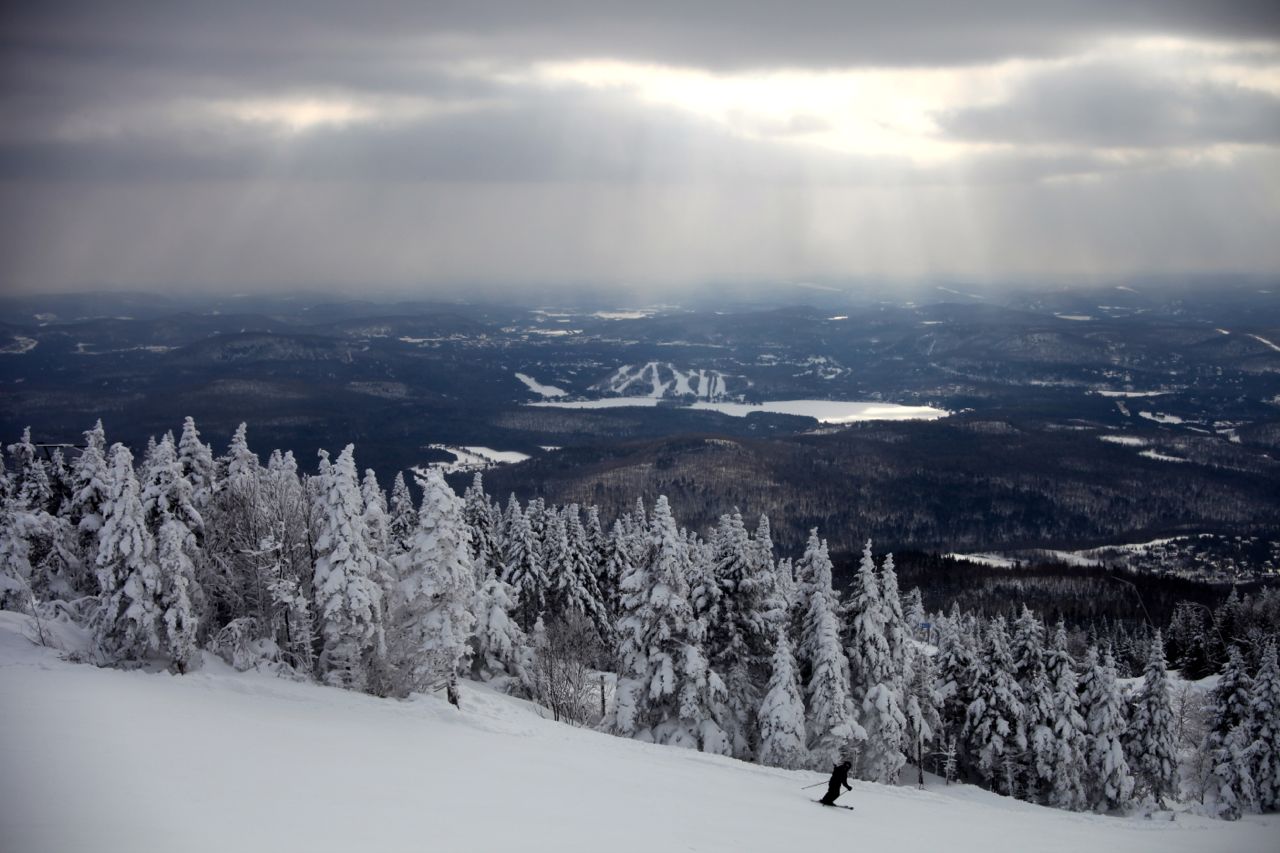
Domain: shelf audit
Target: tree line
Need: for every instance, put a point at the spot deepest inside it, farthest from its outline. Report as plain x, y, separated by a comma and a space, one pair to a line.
649, 630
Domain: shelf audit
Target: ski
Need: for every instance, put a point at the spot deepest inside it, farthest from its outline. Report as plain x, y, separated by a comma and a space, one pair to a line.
833, 805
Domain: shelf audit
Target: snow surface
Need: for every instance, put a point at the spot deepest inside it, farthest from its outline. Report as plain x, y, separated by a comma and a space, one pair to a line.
824, 411
19, 346
1126, 440
105, 760
1161, 457
474, 458
538, 388
1161, 418
1130, 393
1260, 339
997, 561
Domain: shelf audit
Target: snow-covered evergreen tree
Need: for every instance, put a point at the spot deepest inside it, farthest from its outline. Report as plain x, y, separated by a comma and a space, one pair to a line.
571, 579
501, 649
1037, 765
1150, 740
956, 664
17, 529
1264, 725
922, 709
180, 598
403, 517
197, 464
617, 564
90, 489
166, 492
1228, 740
377, 521
1109, 781
875, 676
781, 715
349, 605
741, 624
30, 477
482, 524
129, 580
830, 723
1071, 734
666, 692
869, 659
913, 611
523, 567
895, 623
995, 720
433, 621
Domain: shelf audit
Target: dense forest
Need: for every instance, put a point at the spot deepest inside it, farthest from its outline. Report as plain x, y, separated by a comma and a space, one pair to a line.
707, 640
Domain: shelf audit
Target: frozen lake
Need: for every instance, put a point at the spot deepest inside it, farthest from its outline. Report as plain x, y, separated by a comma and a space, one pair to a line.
824, 411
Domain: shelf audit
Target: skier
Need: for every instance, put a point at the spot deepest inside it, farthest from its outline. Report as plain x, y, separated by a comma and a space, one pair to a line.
839, 776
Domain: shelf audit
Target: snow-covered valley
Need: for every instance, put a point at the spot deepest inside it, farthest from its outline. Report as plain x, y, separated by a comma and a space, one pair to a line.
108, 760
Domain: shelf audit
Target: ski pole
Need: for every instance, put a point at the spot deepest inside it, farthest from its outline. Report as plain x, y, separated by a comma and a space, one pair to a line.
814, 785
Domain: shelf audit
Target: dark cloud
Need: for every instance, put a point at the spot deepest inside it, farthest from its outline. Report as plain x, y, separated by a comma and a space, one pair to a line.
712, 33
119, 165
1118, 107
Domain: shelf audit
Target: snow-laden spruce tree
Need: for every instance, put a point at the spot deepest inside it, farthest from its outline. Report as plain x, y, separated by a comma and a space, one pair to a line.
523, 568
1150, 739
131, 605
1027, 649
922, 709
1039, 763
666, 692
617, 564
781, 715
956, 664
483, 526
1228, 739
1109, 781
886, 731
348, 602
864, 616
1264, 725
895, 623
166, 493
240, 463
90, 488
432, 613
403, 517
377, 521
17, 528
1027, 645
875, 677
995, 722
742, 624
501, 649
571, 578
197, 464
830, 722
181, 600
30, 477
1071, 733
786, 586
914, 613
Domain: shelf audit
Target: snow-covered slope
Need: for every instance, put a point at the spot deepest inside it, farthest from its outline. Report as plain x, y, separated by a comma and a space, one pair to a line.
103, 760
660, 380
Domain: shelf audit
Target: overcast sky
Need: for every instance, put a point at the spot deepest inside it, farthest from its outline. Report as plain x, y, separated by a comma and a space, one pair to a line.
442, 145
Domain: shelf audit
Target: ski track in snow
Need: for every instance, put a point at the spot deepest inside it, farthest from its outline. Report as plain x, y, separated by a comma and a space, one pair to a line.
107, 760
